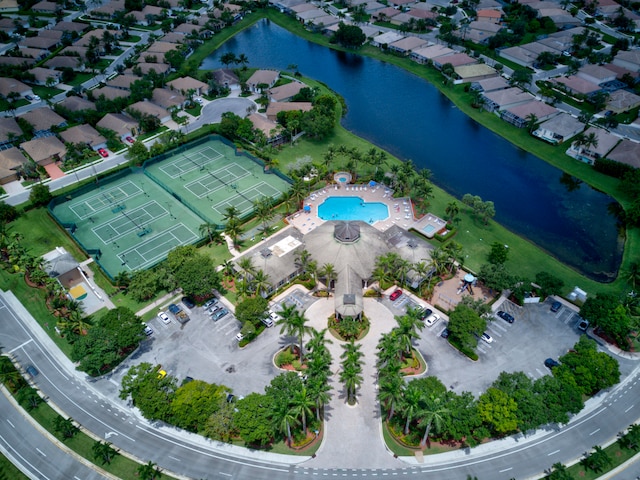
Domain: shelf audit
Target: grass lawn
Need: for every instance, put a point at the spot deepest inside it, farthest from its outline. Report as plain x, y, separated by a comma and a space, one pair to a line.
617, 455
9, 470
79, 79
195, 111
46, 92
4, 105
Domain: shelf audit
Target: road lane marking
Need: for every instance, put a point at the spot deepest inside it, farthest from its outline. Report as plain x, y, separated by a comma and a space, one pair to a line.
222, 473
552, 453
594, 432
8, 446
177, 459
9, 422
505, 470
629, 408
21, 345
41, 452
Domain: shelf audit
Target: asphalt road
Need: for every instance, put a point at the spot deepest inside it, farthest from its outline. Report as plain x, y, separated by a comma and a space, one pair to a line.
195, 457
36, 454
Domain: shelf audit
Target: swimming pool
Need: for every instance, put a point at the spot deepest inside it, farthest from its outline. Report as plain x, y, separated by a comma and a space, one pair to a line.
352, 208
429, 229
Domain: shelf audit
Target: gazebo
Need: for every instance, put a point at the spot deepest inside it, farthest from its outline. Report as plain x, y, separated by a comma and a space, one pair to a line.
348, 295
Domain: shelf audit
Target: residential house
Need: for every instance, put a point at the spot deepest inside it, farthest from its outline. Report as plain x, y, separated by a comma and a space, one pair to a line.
519, 55
43, 119
262, 77
403, 18
474, 73
286, 6
520, 115
84, 134
274, 108
77, 104
309, 15
11, 160
147, 108
169, 99
385, 39
51, 33
478, 31
186, 29
123, 82
489, 15
271, 130
18, 62
559, 129
408, 44
226, 78
286, 92
35, 53
45, 150
107, 10
43, 43
596, 74
184, 84
622, 101
455, 59
45, 76
149, 11
74, 51
174, 37
589, 154
401, 3
499, 100
427, 54
71, 27
159, 49
46, 7
621, 71
385, 15
122, 124
490, 84
576, 85
626, 152
9, 132
144, 68
629, 59
66, 61
419, 14
109, 93
8, 85
7, 6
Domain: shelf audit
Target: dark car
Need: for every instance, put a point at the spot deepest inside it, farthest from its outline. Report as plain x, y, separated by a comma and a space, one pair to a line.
28, 97
445, 333
173, 308
583, 325
555, 306
425, 313
507, 317
395, 295
188, 302
219, 314
550, 363
32, 371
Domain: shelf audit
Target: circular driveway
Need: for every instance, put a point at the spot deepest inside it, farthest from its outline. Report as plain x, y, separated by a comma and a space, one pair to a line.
212, 111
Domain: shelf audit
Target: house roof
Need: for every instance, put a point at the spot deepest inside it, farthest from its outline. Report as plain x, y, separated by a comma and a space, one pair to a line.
408, 43
348, 293
122, 81
86, 38
494, 83
274, 108
577, 84
183, 84
387, 38
74, 51
630, 56
39, 42
285, 91
16, 61
43, 118
150, 109
34, 52
43, 148
263, 124
388, 12
64, 61
563, 124
540, 109
225, 75
10, 159
84, 133
188, 29
174, 37
606, 141
527, 57
76, 104
118, 122
414, 12
485, 26
267, 77
622, 100
455, 59
110, 93
476, 70
597, 72
508, 96
8, 85
489, 13
58, 262
162, 47
42, 74
167, 98
65, 26
146, 68
9, 125
45, 6
151, 10
626, 152
433, 51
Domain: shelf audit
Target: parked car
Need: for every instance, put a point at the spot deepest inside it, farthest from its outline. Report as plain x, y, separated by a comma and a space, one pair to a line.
28, 97
550, 363
32, 371
487, 338
424, 313
198, 100
583, 325
188, 302
147, 330
555, 306
164, 317
219, 314
432, 320
210, 303
214, 308
445, 333
162, 373
37, 98
395, 295
271, 319
173, 308
239, 336
507, 317
103, 153
130, 139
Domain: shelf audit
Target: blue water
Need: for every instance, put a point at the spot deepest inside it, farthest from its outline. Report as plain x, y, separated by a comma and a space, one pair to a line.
352, 208
428, 229
411, 119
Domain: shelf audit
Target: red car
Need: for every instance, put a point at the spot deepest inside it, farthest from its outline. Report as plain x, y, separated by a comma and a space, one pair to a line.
395, 295
103, 153
129, 139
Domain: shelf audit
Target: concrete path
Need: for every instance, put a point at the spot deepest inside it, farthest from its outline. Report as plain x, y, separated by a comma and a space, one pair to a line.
360, 424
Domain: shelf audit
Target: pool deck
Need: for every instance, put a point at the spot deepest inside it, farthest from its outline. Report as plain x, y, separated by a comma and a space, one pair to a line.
400, 209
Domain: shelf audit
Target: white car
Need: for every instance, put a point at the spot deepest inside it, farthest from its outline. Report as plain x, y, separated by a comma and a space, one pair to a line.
239, 336
164, 317
432, 319
487, 338
198, 100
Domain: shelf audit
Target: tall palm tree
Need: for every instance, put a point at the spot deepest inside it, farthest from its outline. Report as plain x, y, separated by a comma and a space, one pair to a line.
390, 392
149, 471
283, 418
293, 323
231, 213
329, 273
456, 255
302, 259
432, 416
408, 327
210, 229
410, 406
298, 192
263, 208
632, 274
233, 228
301, 405
260, 283
402, 268
452, 210
319, 393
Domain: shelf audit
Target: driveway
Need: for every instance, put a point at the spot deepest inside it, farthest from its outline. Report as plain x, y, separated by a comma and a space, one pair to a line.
212, 111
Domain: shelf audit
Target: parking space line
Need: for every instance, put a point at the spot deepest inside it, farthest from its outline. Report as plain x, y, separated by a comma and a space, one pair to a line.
541, 373
492, 330
498, 325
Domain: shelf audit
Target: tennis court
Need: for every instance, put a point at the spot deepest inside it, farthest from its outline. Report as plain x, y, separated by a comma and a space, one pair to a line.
211, 177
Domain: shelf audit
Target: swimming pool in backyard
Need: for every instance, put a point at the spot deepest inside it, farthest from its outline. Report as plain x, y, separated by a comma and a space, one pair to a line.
352, 208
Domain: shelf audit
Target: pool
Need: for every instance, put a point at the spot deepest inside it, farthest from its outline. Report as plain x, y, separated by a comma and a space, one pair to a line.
429, 229
342, 177
352, 208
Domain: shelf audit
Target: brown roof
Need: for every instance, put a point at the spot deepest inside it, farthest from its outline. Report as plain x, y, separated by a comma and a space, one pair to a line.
225, 75
42, 74
84, 133
39, 42
150, 108
263, 76
118, 122
8, 85
188, 29
34, 52
145, 68
43, 118
74, 50
9, 125
167, 98
274, 108
264, 124
183, 84
76, 104
285, 91
16, 61
45, 6
65, 26
64, 61
162, 47
43, 148
626, 152
55, 34
122, 81
110, 93
10, 159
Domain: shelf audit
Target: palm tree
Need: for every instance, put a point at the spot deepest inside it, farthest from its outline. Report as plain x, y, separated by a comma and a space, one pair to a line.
149, 471
242, 60
293, 323
298, 192
390, 392
632, 274
532, 120
432, 415
301, 405
210, 229
329, 273
103, 451
454, 250
246, 266
302, 259
408, 327
319, 393
231, 213
264, 212
261, 283
233, 228
402, 268
283, 418
351, 369
381, 275
410, 405
452, 210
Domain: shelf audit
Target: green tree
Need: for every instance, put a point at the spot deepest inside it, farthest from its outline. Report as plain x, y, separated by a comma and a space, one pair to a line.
293, 322
349, 36
549, 284
351, 372
149, 471
40, 195
28, 397
465, 325
559, 472
631, 439
252, 310
499, 253
65, 427
411, 404
432, 415
597, 460
198, 276
252, 419
498, 411
103, 451
194, 402
137, 153
151, 394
